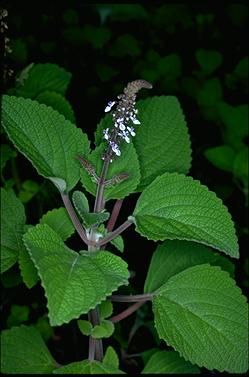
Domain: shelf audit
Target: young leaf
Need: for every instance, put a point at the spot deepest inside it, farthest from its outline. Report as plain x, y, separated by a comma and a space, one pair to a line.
28, 270
23, 351
201, 313
59, 221
172, 257
209, 60
162, 141
105, 309
111, 357
174, 206
118, 242
222, 157
46, 138
73, 283
12, 228
169, 362
104, 330
87, 367
43, 77
57, 102
85, 327
81, 204
126, 163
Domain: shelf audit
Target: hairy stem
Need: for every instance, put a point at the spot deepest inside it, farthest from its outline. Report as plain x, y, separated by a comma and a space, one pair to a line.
131, 298
115, 233
114, 215
127, 312
80, 230
98, 206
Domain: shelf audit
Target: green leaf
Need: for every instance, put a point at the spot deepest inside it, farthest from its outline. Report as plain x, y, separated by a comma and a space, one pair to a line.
6, 153
169, 362
105, 309
106, 72
12, 228
125, 45
235, 118
126, 163
210, 93
42, 77
241, 69
18, 314
240, 166
59, 221
85, 327
201, 313
57, 102
73, 283
96, 36
209, 60
46, 138
172, 257
169, 66
29, 188
178, 207
87, 367
104, 330
44, 328
28, 270
118, 242
23, 351
81, 204
162, 140
111, 357
222, 157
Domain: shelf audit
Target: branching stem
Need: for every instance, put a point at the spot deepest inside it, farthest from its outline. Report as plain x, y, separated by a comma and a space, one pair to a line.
131, 298
114, 215
127, 312
115, 233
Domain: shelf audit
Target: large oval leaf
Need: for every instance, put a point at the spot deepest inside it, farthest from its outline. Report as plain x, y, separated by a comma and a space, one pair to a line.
73, 283
202, 314
46, 138
178, 207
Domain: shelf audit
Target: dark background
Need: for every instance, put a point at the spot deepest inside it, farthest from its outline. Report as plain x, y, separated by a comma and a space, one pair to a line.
85, 40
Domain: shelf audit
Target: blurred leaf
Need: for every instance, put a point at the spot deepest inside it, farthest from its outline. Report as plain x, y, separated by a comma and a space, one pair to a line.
122, 12
87, 367
48, 48
241, 69
96, 36
235, 118
210, 93
6, 153
28, 189
152, 56
124, 45
19, 51
170, 66
209, 60
11, 278
222, 157
57, 102
74, 35
238, 13
171, 16
240, 165
105, 72
44, 328
18, 315
190, 86
70, 16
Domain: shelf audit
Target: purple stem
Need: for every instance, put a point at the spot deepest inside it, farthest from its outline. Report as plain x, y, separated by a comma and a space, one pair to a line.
115, 233
131, 298
127, 312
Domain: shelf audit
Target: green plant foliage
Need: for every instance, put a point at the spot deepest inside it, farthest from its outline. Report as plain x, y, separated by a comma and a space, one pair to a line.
28, 190
111, 357
57, 102
44, 328
59, 221
81, 204
121, 12
202, 314
27, 269
96, 36
240, 165
124, 45
43, 77
12, 228
46, 138
19, 51
105, 309
174, 206
241, 69
169, 362
6, 153
172, 257
162, 140
85, 327
210, 93
24, 352
127, 163
222, 157
209, 60
18, 315
104, 330
73, 283
87, 367
118, 242
106, 72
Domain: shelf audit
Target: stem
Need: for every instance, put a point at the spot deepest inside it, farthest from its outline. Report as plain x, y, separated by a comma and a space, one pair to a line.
91, 350
98, 206
127, 312
115, 233
131, 298
95, 345
114, 215
74, 218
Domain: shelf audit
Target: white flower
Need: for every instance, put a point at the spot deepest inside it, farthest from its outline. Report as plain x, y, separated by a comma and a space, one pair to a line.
135, 121
121, 126
115, 148
109, 106
131, 130
106, 133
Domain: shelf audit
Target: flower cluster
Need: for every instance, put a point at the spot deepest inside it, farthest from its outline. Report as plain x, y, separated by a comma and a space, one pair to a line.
124, 117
